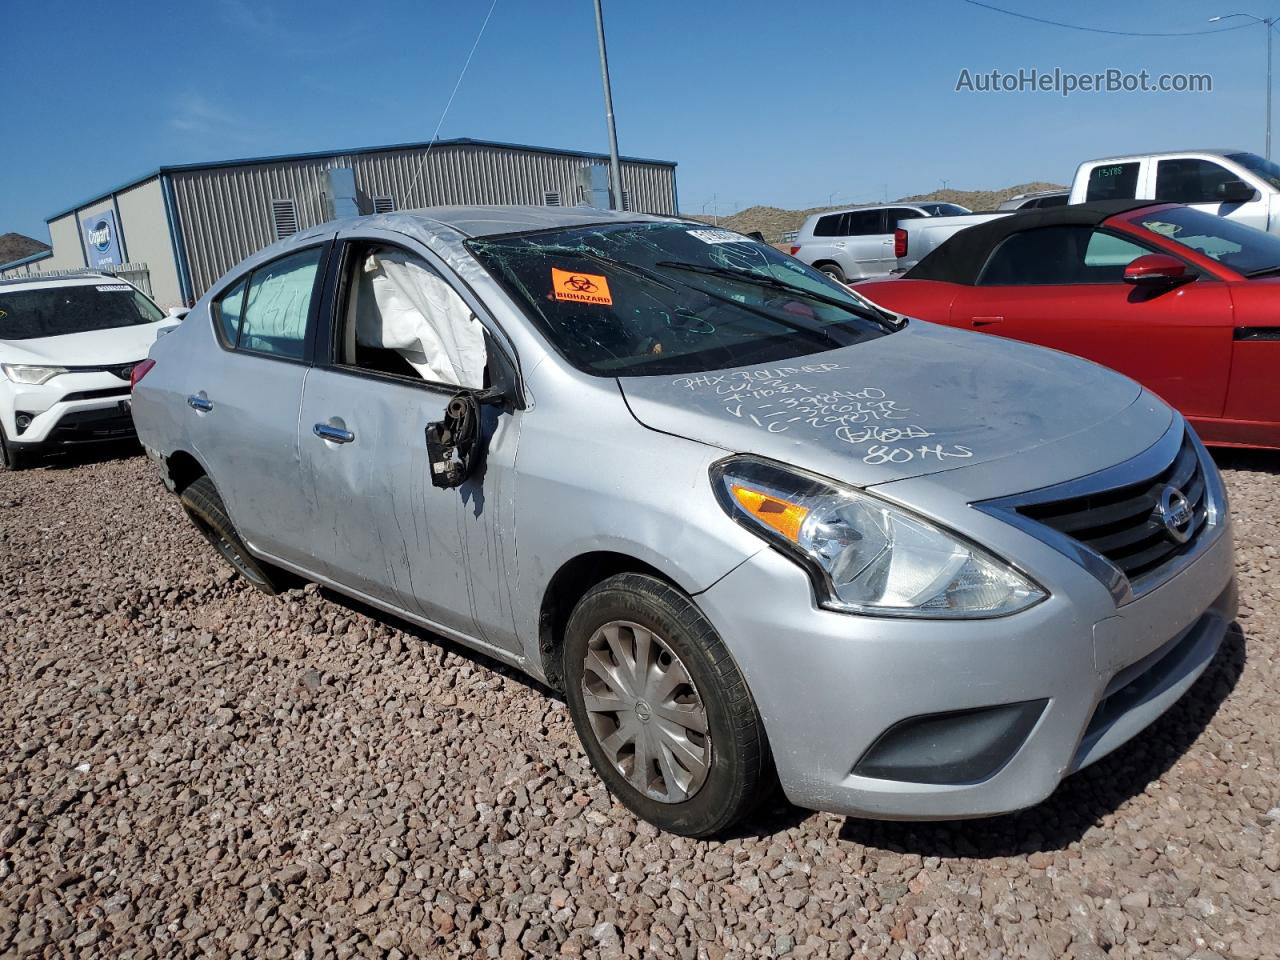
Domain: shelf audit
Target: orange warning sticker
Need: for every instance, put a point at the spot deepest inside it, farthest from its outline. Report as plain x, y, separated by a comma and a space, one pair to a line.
580, 287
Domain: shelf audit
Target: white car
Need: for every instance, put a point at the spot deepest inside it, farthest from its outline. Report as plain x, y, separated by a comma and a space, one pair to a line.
68, 346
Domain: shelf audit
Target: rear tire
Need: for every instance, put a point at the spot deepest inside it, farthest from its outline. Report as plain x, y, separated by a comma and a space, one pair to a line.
638, 644
208, 514
833, 271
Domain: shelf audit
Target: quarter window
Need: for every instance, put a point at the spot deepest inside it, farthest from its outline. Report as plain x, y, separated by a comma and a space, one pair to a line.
228, 310
1113, 181
1189, 180
828, 226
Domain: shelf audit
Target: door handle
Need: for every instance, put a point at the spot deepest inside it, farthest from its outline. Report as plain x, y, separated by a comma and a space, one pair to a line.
198, 401
985, 321
327, 431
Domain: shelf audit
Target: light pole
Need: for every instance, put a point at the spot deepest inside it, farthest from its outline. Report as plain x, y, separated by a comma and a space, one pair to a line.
1267, 22
615, 168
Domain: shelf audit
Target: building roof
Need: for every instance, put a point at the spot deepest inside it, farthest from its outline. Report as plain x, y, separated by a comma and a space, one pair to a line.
318, 154
961, 257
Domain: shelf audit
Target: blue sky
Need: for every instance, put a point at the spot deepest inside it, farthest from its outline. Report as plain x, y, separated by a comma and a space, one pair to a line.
758, 101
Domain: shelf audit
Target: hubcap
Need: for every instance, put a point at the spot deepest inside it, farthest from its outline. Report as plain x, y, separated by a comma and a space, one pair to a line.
645, 711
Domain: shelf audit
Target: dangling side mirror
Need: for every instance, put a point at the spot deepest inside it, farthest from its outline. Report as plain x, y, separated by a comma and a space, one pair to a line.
453, 443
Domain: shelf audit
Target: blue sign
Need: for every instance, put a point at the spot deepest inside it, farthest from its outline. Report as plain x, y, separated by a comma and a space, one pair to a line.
101, 239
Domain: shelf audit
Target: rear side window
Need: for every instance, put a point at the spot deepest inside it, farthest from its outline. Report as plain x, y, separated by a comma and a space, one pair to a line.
1113, 181
828, 226
862, 223
1188, 180
1057, 200
268, 311
1060, 255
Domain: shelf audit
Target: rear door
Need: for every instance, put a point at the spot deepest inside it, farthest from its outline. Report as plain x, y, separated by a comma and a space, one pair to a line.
444, 555
864, 249
1062, 287
1195, 182
243, 406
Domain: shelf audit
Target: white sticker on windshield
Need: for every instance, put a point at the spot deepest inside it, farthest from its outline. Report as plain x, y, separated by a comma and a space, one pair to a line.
112, 288
719, 236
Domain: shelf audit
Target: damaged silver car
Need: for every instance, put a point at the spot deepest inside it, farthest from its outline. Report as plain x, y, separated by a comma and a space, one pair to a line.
752, 527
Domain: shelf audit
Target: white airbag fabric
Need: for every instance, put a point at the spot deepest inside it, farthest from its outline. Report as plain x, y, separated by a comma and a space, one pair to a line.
420, 317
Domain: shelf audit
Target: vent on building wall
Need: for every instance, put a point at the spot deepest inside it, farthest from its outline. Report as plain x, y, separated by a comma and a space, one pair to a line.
284, 217
384, 204
626, 199
551, 198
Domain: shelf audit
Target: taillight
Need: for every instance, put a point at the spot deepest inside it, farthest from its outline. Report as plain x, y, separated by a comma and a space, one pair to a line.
140, 370
794, 249
899, 242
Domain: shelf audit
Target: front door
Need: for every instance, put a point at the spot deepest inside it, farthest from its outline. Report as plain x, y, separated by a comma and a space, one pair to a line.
1062, 287
1195, 182
444, 555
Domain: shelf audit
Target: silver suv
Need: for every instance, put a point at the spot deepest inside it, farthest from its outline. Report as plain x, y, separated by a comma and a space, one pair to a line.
750, 525
857, 243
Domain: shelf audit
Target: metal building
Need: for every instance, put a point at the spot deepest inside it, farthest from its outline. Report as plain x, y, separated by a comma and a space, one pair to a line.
177, 229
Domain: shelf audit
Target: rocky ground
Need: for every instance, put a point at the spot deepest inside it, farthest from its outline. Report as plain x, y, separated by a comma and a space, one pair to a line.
192, 768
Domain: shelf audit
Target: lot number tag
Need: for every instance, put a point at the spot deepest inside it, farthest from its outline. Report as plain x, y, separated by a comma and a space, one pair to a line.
718, 236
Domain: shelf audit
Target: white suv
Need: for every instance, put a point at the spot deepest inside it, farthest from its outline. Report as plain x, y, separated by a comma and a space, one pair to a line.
857, 243
68, 346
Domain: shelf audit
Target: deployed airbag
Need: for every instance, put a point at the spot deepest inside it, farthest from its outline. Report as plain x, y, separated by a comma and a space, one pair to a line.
419, 316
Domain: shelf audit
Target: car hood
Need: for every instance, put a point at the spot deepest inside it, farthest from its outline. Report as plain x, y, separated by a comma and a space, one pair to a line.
922, 400
95, 348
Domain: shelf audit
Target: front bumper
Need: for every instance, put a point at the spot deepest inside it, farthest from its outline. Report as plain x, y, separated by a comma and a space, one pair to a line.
71, 409
829, 685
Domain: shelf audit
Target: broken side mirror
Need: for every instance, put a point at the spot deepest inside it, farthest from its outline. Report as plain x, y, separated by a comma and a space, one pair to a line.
453, 443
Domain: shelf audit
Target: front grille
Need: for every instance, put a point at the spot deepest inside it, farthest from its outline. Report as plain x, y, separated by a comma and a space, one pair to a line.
1124, 524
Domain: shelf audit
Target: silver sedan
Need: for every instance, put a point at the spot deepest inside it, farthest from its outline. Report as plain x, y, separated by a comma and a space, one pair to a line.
751, 526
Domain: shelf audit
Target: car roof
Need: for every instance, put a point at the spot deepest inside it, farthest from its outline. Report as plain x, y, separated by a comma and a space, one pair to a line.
961, 257
38, 282
1215, 151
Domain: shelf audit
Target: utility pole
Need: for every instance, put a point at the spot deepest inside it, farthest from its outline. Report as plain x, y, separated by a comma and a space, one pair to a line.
1269, 23
615, 168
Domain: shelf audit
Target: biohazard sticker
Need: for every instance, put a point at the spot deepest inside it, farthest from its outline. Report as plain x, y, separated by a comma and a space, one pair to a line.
580, 287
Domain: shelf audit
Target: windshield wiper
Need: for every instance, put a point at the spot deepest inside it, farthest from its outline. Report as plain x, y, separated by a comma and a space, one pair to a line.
874, 313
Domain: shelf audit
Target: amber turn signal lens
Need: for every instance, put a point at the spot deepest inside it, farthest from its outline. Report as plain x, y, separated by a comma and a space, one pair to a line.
780, 515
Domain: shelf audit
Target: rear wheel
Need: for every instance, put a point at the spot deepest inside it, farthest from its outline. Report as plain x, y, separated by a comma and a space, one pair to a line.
661, 708
833, 271
207, 513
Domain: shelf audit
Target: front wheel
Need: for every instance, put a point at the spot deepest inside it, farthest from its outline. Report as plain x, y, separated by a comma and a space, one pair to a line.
661, 708
11, 459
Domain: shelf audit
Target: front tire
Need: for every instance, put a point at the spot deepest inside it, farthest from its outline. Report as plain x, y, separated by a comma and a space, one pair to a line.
661, 708
11, 459
208, 514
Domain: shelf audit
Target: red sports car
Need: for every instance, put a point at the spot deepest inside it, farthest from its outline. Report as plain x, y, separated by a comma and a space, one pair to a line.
1184, 302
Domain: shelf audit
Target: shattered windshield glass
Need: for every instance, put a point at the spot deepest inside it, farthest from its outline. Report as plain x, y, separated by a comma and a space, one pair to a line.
637, 299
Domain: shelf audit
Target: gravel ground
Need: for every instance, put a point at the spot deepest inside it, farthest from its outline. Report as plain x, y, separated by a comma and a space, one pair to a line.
192, 768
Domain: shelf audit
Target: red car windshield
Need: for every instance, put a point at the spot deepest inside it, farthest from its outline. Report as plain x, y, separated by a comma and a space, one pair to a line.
1246, 250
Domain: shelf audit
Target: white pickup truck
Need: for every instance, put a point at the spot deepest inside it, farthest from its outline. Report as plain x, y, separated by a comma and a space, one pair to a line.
1234, 184
914, 238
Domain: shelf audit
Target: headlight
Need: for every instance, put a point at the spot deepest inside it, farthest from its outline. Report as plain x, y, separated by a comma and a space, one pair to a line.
26, 373
864, 554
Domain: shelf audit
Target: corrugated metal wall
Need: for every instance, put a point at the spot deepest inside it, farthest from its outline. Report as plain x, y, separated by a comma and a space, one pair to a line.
225, 212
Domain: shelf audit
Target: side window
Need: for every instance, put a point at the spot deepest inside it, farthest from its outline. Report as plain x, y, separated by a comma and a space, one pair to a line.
228, 309
828, 226
1060, 255
400, 317
278, 304
895, 215
1186, 180
1057, 200
864, 223
1113, 181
